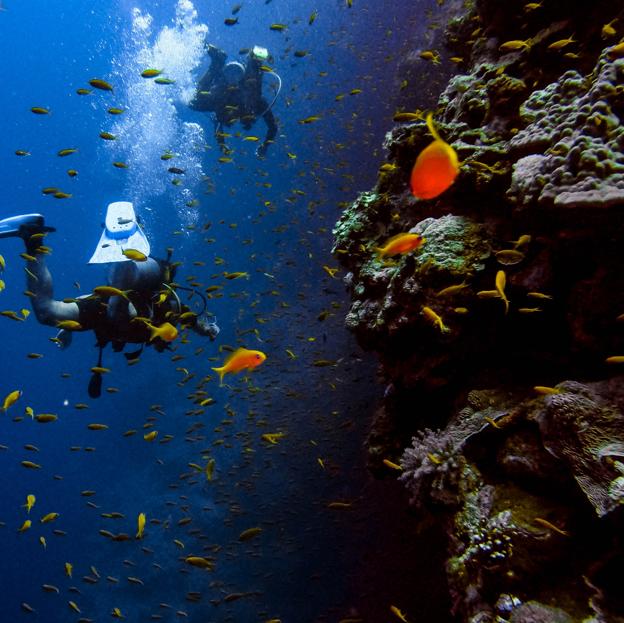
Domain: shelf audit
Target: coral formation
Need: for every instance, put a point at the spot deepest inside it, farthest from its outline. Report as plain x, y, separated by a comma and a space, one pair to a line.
514, 287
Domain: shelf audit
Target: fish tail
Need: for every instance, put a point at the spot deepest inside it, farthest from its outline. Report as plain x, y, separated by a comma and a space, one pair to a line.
431, 127
221, 372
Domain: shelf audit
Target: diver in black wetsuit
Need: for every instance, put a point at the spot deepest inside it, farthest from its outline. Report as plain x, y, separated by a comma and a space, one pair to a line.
233, 92
149, 299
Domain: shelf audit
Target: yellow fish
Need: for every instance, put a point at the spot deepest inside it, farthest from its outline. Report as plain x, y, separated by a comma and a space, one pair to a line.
133, 254
25, 526
30, 502
501, 281
11, 399
140, 525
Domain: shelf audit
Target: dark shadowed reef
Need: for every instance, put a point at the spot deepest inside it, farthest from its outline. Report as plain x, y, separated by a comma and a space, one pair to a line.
506, 417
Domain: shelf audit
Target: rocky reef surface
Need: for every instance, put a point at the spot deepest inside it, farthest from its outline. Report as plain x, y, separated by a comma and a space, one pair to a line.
505, 411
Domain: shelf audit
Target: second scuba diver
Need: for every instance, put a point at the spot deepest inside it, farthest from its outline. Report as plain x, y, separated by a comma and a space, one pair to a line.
233, 92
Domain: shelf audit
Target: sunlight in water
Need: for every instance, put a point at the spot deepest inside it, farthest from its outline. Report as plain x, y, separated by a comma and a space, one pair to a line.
150, 126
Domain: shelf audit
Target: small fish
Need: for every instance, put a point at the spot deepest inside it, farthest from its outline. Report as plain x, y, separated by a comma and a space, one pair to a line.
312, 17
107, 136
547, 524
72, 172
561, 43
230, 21
608, 30
436, 167
110, 291
49, 517
134, 255
11, 399
452, 290
120, 165
69, 325
30, 465
501, 281
250, 533
45, 418
401, 244
200, 562
542, 390
310, 119
398, 614
61, 195
240, 359
68, 569
39, 110
392, 465
30, 502
66, 152
430, 55
278, 27
151, 435
97, 426
616, 51
22, 152
515, 44
140, 525
435, 319
115, 111
151, 73
402, 117
25, 526
615, 359
209, 471
83, 91
162, 80
98, 83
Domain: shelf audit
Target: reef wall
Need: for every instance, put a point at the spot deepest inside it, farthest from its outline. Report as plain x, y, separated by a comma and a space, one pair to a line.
504, 408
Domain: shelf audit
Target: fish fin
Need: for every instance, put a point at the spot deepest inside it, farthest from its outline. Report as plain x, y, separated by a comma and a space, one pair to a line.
233, 354
221, 372
431, 127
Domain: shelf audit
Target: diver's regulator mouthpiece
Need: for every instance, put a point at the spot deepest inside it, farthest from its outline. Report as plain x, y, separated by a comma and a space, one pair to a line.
259, 53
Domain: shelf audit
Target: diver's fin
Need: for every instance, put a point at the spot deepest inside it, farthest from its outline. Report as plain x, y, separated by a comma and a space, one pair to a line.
23, 226
121, 231
95, 383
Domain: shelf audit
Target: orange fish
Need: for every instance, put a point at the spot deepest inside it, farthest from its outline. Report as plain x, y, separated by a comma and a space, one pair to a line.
240, 359
435, 168
401, 243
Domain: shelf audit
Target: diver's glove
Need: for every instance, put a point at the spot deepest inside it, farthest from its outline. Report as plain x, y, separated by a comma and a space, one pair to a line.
262, 150
207, 327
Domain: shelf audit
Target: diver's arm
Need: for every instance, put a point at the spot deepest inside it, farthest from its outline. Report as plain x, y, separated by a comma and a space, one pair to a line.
39, 282
271, 124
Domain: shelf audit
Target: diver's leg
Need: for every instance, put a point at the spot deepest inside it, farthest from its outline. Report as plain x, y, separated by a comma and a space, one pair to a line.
39, 282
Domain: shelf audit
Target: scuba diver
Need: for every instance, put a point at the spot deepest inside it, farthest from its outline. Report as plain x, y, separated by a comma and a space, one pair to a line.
233, 92
139, 305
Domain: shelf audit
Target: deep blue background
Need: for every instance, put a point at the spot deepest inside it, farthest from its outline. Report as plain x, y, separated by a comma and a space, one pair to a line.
310, 563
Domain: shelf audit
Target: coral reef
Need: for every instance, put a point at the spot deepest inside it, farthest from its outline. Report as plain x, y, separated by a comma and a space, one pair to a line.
515, 287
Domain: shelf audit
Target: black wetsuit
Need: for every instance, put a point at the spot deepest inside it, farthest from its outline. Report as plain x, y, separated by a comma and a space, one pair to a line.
231, 103
121, 329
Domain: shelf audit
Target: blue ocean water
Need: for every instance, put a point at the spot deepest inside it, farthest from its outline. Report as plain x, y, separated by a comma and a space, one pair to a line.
271, 218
